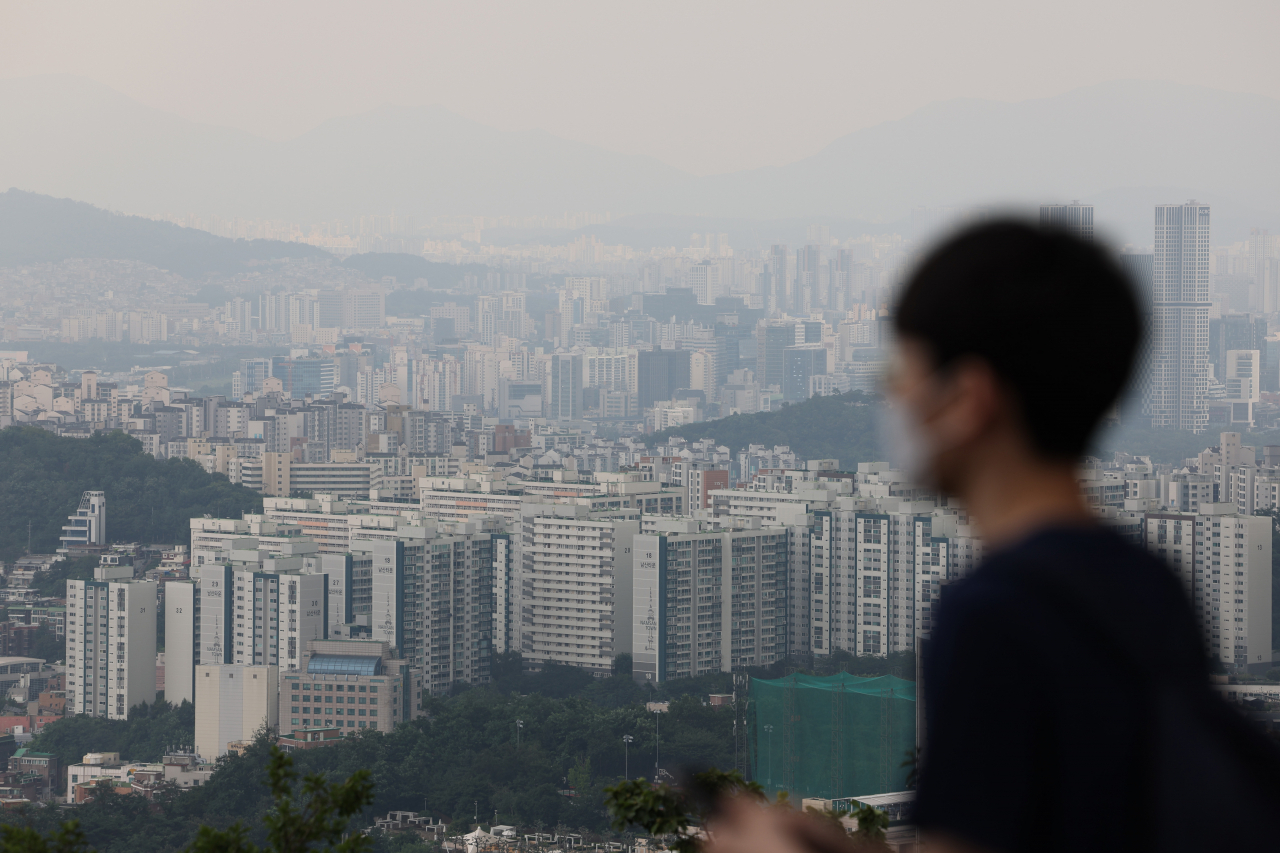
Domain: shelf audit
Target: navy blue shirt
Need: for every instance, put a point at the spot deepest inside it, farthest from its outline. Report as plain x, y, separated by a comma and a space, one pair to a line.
1035, 707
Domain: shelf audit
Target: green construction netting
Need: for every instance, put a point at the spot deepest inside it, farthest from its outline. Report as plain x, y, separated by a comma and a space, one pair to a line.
846, 736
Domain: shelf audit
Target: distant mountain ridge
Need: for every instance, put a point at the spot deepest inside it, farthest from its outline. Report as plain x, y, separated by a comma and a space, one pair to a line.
38, 229
1131, 141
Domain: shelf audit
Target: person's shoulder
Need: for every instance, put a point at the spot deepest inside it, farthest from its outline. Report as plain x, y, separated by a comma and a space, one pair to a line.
1084, 555
1090, 550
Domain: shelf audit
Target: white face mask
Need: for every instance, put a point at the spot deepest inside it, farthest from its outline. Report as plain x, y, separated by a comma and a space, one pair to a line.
904, 440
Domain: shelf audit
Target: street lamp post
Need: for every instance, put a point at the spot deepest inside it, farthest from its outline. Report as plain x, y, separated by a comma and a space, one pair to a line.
519, 726
656, 769
769, 731
626, 753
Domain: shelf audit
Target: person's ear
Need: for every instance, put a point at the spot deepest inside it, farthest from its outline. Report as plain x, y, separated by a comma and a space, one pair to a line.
973, 407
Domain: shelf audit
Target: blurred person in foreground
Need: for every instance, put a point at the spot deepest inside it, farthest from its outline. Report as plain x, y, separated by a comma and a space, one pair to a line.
1066, 685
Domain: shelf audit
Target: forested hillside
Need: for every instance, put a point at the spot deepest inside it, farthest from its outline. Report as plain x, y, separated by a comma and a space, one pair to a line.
842, 426
461, 758
148, 500
38, 228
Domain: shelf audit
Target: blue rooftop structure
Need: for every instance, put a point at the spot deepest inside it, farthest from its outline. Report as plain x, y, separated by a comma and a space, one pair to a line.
345, 665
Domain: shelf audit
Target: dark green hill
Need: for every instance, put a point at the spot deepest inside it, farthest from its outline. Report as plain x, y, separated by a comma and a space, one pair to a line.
148, 500
841, 426
39, 228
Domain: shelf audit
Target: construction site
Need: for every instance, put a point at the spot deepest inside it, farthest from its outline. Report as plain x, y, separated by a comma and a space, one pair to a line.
831, 737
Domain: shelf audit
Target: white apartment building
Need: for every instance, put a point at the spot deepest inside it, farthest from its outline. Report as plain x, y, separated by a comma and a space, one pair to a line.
87, 526
612, 369
181, 640
253, 613
211, 538
333, 524
1223, 560
877, 569
111, 643
575, 572
182, 769
454, 627
276, 474
233, 701
777, 506
707, 599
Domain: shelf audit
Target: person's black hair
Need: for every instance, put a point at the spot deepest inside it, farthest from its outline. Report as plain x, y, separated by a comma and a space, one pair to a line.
1053, 315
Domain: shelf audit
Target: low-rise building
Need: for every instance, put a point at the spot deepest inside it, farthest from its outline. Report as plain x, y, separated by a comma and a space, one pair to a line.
233, 701
310, 738
349, 685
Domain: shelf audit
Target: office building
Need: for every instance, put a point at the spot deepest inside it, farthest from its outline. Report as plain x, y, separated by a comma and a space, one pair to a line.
772, 341
1241, 379
1074, 217
660, 373
704, 279
519, 399
111, 643
1180, 317
777, 297
250, 377
565, 399
1240, 332
301, 377
801, 364
808, 281
707, 599
350, 685
233, 702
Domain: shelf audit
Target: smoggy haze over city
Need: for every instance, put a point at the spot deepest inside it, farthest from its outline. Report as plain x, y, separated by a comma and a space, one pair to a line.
629, 108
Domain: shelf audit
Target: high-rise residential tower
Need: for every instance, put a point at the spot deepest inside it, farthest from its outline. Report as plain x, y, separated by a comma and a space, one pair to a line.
565, 399
1180, 317
777, 297
111, 642
1138, 405
1075, 217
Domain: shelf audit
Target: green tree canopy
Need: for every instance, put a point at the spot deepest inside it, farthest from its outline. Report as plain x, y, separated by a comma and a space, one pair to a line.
148, 500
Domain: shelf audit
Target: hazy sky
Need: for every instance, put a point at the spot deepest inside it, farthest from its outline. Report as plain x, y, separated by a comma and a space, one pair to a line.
708, 87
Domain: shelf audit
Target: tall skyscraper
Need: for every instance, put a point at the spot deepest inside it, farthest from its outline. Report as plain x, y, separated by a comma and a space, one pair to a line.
1137, 406
661, 373
776, 299
802, 363
808, 267
1075, 217
1180, 317
565, 399
771, 344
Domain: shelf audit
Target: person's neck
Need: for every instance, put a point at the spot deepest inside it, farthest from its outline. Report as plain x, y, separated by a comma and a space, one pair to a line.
1012, 499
